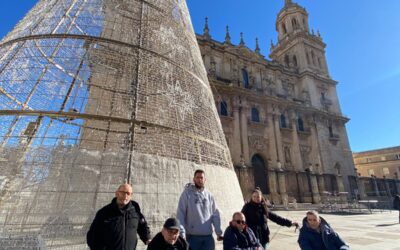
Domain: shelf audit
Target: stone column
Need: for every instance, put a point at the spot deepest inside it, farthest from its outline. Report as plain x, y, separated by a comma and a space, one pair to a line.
245, 137
361, 188
315, 154
341, 190
273, 187
376, 188
278, 137
296, 155
314, 189
321, 187
271, 139
282, 188
387, 186
235, 146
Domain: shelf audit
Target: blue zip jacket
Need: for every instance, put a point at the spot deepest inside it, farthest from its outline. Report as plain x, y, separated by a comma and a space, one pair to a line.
326, 239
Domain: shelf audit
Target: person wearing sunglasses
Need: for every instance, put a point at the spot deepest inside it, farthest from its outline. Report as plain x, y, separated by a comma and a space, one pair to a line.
240, 237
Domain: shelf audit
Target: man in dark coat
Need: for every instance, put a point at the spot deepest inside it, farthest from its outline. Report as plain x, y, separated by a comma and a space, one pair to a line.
396, 204
169, 238
238, 236
317, 234
115, 226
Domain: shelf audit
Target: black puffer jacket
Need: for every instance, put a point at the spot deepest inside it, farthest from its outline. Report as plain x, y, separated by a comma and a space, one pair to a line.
116, 229
236, 240
257, 219
158, 243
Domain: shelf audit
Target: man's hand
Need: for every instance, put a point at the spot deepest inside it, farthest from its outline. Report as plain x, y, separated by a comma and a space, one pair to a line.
296, 225
219, 237
147, 242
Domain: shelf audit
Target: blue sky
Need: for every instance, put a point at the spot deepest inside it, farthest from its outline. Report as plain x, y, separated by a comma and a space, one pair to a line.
362, 38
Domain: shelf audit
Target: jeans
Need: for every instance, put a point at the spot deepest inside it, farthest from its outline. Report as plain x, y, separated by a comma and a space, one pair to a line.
201, 242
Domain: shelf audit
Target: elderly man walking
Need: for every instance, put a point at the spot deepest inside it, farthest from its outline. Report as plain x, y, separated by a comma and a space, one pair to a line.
116, 225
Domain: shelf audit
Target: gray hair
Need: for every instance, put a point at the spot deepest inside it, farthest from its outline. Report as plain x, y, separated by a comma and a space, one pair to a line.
313, 212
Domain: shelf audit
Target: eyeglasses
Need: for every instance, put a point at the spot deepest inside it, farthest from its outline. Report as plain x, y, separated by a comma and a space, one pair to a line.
240, 222
126, 193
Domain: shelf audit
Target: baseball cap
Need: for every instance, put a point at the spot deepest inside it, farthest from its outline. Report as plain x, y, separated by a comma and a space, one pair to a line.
172, 223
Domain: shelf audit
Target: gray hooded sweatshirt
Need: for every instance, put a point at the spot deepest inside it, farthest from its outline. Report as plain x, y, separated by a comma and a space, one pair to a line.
197, 211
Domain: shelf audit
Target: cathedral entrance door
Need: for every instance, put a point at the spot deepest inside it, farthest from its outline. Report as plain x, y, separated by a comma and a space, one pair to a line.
260, 173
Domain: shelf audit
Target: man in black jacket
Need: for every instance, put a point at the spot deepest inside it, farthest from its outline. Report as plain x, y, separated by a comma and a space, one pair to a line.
115, 226
169, 238
240, 237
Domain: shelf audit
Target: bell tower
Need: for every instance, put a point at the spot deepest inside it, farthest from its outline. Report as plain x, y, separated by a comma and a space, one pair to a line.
297, 47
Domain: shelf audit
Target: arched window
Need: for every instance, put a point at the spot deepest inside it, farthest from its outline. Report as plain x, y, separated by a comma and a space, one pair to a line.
223, 108
245, 76
330, 131
284, 28
294, 23
300, 124
308, 58
295, 61
255, 115
313, 57
338, 168
319, 62
283, 121
287, 60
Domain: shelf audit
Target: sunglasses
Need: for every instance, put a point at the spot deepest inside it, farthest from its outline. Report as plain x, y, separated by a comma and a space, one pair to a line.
240, 222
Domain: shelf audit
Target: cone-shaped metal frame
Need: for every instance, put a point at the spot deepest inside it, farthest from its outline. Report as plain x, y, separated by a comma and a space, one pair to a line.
94, 93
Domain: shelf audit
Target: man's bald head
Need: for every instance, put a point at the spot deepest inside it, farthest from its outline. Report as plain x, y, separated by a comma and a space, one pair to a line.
123, 195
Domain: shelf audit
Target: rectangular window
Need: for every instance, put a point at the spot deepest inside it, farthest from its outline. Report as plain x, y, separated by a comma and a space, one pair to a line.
385, 171
371, 172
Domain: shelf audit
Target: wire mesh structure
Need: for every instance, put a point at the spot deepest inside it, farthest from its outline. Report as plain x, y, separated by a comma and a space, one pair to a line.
94, 93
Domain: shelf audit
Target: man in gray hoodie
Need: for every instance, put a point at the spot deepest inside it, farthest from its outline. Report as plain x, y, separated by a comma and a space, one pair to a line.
197, 212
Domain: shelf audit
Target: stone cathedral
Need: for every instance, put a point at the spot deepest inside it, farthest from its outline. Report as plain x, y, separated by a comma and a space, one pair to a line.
281, 117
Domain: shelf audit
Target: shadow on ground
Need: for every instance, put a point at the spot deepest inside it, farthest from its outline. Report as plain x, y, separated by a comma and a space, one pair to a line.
387, 225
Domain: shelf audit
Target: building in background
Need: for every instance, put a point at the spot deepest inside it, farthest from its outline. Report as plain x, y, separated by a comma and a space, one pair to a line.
379, 171
281, 117
380, 163
98, 93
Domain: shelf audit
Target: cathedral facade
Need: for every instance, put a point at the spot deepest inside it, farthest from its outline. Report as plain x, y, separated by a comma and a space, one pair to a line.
281, 117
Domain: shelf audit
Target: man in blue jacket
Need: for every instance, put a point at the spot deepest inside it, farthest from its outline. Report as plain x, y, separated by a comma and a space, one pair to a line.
197, 213
317, 234
240, 237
